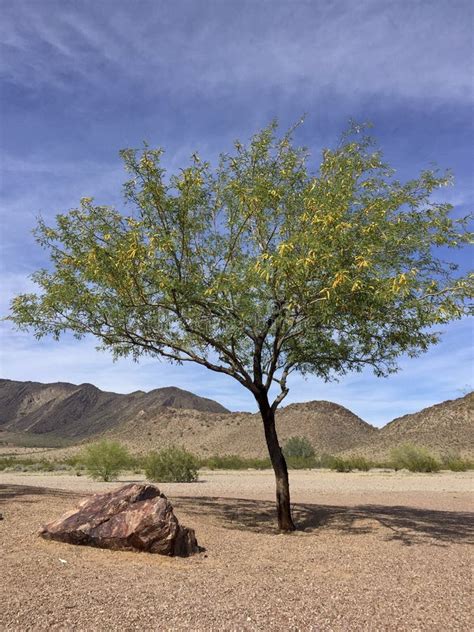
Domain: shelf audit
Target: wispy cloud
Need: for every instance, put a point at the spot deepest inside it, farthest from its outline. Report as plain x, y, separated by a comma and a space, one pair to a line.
401, 50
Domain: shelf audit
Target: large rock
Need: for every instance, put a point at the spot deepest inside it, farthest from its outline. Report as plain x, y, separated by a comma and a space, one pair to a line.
135, 517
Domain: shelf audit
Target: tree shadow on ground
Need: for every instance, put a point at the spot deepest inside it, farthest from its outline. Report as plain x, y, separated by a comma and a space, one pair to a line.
409, 525
18, 492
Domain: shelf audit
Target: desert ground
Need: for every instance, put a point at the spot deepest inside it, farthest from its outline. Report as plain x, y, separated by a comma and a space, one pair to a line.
375, 551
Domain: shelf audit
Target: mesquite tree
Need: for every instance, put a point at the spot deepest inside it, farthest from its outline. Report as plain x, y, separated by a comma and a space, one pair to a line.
256, 268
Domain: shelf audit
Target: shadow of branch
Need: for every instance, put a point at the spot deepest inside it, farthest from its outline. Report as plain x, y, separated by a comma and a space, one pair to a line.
17, 492
409, 525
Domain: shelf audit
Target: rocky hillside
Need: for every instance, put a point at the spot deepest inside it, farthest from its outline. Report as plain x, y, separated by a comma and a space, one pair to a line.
329, 427
441, 428
166, 416
71, 411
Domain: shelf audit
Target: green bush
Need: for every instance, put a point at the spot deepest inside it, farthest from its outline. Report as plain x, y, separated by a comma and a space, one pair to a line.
340, 464
298, 447
27, 464
235, 462
414, 459
105, 460
171, 465
325, 461
453, 461
6, 462
360, 463
302, 462
74, 460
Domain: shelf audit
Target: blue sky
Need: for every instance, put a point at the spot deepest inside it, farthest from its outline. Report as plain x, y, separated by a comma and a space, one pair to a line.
80, 80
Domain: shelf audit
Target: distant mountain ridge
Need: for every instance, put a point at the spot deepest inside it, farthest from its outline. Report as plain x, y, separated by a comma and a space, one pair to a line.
173, 416
328, 426
70, 410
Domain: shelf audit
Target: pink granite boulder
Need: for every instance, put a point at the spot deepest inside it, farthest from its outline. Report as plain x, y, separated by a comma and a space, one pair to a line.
135, 517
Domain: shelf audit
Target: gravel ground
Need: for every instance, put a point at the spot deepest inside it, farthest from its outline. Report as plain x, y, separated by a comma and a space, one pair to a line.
376, 551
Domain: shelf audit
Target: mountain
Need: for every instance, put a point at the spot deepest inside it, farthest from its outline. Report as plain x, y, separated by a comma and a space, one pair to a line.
329, 427
71, 411
170, 415
448, 426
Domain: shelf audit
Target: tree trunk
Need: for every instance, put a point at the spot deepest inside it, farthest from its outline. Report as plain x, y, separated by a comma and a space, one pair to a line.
285, 521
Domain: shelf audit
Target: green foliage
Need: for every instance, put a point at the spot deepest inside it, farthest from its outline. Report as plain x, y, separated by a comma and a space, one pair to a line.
340, 464
235, 462
361, 463
325, 460
6, 462
74, 460
105, 460
302, 462
171, 465
414, 459
453, 461
264, 262
28, 464
298, 447
259, 267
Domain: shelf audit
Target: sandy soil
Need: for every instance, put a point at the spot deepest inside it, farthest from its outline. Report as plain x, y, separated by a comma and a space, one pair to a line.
376, 551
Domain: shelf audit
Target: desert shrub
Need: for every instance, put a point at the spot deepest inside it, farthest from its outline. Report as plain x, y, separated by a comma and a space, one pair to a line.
76, 464
339, 464
39, 466
302, 462
235, 462
326, 460
18, 468
105, 460
454, 462
172, 465
26, 464
360, 463
383, 465
6, 462
414, 459
75, 460
298, 447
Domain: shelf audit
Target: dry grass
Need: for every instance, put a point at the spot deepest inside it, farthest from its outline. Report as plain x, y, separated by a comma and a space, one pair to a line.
378, 552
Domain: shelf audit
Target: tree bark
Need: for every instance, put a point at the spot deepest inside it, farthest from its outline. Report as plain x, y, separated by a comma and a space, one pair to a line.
285, 521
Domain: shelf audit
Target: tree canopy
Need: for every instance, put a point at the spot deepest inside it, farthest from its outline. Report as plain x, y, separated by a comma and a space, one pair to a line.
259, 266
322, 272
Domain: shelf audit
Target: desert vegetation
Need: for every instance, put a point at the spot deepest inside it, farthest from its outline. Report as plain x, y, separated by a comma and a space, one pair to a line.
454, 462
414, 459
172, 464
105, 460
